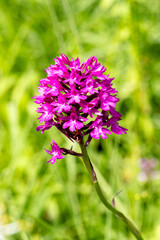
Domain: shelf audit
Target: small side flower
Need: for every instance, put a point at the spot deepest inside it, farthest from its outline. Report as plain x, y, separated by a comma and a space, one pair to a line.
56, 152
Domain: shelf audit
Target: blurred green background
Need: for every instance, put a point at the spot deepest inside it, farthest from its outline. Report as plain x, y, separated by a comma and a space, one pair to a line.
58, 202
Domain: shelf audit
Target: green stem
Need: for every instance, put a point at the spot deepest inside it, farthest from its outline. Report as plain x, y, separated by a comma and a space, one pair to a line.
93, 177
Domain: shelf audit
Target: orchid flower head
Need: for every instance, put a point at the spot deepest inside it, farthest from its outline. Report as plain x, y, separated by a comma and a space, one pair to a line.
79, 100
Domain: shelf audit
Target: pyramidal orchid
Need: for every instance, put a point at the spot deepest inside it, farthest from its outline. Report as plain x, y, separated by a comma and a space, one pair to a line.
79, 100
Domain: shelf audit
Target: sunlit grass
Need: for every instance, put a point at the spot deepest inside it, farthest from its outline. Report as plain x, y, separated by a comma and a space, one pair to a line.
57, 201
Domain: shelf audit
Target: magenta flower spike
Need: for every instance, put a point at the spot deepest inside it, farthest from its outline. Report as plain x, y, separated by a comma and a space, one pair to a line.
79, 100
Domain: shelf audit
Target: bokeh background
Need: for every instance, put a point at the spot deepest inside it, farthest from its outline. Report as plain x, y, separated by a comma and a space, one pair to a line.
58, 202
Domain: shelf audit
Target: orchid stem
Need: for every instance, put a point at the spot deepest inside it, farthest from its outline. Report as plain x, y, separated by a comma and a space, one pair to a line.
92, 174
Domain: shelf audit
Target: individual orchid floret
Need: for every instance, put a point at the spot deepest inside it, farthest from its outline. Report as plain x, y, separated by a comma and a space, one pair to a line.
115, 128
98, 129
74, 121
56, 152
47, 112
107, 100
46, 126
61, 105
73, 78
90, 108
89, 86
75, 96
79, 100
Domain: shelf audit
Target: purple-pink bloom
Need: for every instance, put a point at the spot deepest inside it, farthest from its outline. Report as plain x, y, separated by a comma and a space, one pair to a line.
89, 86
98, 129
115, 128
56, 152
46, 126
73, 121
75, 96
78, 99
61, 105
47, 112
90, 108
107, 100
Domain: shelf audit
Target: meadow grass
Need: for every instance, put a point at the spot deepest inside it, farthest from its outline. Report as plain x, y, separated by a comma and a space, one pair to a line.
58, 201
